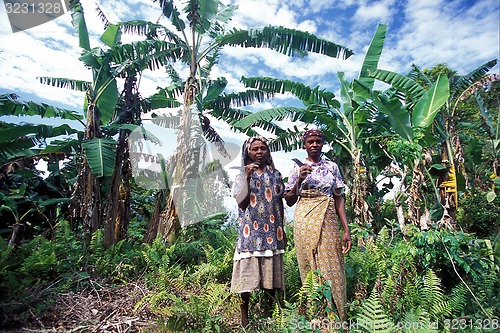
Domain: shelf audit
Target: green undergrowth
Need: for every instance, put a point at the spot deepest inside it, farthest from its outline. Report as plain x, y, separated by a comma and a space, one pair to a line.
423, 283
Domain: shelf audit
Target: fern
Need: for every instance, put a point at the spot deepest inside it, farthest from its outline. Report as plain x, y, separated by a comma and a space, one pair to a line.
292, 274
434, 299
371, 316
416, 321
457, 300
96, 244
413, 293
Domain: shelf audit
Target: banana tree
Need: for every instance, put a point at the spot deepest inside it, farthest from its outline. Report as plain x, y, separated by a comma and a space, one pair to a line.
351, 125
109, 113
202, 35
22, 146
444, 127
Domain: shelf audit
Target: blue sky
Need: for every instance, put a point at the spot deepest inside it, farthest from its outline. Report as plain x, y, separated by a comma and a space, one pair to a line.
463, 34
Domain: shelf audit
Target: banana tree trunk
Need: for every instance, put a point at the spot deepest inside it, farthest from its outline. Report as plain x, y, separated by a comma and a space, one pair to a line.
179, 206
117, 210
399, 192
362, 215
414, 200
452, 158
86, 205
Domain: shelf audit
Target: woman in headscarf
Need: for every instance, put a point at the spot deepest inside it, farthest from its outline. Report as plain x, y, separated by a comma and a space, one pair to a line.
258, 258
318, 187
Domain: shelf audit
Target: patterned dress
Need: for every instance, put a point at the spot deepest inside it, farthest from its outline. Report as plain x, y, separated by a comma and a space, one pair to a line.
258, 258
316, 231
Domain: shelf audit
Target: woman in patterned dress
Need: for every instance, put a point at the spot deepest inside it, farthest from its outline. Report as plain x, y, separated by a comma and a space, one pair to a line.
258, 258
318, 187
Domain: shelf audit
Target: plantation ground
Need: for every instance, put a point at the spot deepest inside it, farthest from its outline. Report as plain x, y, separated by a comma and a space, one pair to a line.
95, 309
98, 309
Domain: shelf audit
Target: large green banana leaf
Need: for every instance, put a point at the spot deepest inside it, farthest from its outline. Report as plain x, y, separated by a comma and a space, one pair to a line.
429, 104
372, 56
101, 155
13, 105
283, 40
267, 115
112, 35
78, 20
404, 83
399, 117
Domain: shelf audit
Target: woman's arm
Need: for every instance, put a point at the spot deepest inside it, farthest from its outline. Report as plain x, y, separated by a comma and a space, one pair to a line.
243, 196
340, 209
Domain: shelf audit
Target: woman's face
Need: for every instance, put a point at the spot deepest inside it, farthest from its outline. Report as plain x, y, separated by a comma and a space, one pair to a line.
313, 145
258, 152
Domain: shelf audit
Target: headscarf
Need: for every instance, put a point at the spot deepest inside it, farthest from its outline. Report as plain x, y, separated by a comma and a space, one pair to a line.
245, 150
312, 132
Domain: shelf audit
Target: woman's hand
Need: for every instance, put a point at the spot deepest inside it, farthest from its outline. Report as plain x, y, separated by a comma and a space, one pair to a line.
346, 242
250, 168
304, 171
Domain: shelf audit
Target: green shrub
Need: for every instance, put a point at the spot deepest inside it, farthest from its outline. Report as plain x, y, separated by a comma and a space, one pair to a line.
480, 217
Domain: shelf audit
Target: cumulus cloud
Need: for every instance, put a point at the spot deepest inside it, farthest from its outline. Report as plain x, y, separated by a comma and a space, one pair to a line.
462, 34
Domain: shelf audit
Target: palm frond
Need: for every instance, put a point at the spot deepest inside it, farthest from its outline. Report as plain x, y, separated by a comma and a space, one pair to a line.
145, 54
77, 85
290, 42
465, 81
12, 105
242, 98
288, 141
403, 83
167, 121
305, 93
211, 135
264, 117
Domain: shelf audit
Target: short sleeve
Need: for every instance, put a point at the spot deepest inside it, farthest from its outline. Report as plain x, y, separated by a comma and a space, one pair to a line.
238, 183
292, 178
338, 181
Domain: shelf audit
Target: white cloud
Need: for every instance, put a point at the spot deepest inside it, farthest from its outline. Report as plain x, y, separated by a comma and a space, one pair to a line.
374, 11
425, 32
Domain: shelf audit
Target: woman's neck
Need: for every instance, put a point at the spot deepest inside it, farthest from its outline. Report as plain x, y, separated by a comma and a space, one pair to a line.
314, 159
